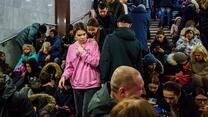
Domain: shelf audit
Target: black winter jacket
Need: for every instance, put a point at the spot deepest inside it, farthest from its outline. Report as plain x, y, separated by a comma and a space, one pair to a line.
120, 48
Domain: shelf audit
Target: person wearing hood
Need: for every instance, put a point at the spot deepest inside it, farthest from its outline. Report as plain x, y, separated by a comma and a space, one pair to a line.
187, 43
120, 48
152, 68
140, 24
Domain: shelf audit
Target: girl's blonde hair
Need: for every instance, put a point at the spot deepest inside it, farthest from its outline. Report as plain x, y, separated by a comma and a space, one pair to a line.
45, 47
199, 48
31, 47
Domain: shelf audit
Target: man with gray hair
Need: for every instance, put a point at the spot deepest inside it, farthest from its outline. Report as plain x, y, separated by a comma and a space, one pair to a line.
125, 82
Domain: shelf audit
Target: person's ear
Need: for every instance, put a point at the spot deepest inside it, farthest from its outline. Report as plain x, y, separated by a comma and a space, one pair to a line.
118, 24
130, 25
121, 92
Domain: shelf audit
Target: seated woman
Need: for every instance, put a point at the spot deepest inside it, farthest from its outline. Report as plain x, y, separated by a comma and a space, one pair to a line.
30, 78
28, 53
154, 91
160, 47
201, 101
186, 43
199, 64
174, 29
43, 53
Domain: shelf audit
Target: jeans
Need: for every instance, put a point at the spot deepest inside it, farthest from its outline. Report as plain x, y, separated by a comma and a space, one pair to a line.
165, 11
82, 98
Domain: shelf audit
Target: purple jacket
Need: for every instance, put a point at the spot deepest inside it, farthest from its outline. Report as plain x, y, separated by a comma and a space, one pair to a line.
82, 69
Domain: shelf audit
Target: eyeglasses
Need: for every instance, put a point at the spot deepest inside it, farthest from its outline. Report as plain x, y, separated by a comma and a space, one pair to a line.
202, 100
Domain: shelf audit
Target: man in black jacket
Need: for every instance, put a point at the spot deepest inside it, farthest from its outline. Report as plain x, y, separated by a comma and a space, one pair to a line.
120, 48
106, 19
13, 104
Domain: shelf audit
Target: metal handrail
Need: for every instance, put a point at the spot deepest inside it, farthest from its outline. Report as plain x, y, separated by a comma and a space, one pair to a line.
80, 18
15, 34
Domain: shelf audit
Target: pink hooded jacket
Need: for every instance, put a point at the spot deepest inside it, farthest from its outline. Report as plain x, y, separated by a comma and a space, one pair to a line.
82, 68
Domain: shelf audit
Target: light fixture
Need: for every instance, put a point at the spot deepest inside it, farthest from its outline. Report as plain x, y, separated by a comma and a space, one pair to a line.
50, 5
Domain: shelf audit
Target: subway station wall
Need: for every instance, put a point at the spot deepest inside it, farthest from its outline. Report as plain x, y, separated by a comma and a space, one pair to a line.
78, 8
16, 14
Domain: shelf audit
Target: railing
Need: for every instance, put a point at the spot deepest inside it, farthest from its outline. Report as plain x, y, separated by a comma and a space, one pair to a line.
47, 24
15, 34
80, 18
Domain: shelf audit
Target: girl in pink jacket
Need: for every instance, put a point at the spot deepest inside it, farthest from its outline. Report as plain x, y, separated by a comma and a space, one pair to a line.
82, 69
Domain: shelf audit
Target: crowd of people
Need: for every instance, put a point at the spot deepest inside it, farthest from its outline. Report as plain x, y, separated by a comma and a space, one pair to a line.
105, 67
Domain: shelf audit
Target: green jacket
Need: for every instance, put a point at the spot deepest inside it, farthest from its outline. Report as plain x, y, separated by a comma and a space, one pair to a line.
120, 48
200, 68
29, 34
101, 103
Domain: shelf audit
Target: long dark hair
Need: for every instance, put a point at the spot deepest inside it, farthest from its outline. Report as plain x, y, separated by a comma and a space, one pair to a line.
34, 67
93, 22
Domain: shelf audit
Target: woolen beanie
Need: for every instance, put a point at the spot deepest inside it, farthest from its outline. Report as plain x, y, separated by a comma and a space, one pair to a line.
149, 59
180, 57
125, 19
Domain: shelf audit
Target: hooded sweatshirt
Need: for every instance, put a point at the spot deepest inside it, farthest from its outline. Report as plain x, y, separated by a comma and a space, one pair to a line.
120, 48
82, 69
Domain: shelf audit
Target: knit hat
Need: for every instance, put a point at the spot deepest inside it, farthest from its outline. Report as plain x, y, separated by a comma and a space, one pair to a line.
149, 59
177, 18
180, 57
125, 19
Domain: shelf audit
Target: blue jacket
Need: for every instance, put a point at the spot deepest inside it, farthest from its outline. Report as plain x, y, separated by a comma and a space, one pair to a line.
56, 46
141, 20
